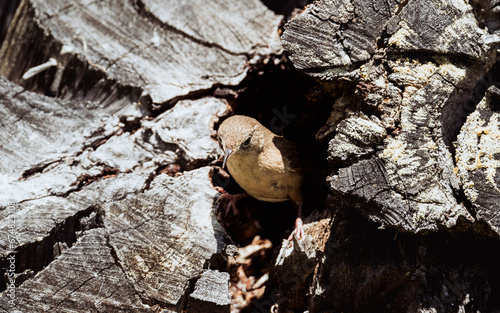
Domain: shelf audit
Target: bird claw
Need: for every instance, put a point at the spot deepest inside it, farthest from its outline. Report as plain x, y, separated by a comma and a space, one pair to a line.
231, 205
299, 230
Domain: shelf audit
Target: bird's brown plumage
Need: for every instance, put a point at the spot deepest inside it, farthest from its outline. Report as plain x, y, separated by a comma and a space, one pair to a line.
265, 165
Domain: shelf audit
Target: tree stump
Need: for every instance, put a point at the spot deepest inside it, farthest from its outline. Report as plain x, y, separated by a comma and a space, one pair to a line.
418, 216
108, 158
107, 203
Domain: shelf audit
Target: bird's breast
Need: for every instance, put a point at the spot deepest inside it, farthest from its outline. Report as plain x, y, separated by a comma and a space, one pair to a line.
269, 182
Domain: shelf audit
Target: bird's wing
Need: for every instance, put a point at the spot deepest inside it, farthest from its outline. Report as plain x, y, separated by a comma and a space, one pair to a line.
290, 154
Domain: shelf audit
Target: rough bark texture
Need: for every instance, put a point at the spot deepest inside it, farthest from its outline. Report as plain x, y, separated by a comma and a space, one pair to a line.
107, 154
410, 72
412, 63
139, 44
91, 284
478, 159
210, 293
107, 203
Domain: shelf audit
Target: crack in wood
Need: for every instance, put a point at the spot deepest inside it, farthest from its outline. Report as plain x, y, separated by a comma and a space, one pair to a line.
83, 284
39, 168
140, 8
106, 172
43, 249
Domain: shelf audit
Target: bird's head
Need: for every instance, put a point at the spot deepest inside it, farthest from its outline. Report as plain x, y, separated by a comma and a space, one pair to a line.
240, 136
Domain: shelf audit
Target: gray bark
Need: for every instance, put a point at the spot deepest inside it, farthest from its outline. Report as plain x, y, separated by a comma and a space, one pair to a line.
412, 64
478, 157
107, 203
138, 45
410, 72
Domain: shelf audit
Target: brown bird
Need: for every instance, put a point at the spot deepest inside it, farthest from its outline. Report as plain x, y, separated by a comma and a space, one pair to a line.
265, 165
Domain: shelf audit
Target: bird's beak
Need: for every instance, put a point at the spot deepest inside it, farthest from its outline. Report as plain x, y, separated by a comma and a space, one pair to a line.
227, 153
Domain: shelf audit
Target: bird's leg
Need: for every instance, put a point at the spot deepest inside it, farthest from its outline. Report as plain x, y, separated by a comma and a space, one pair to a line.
299, 228
231, 205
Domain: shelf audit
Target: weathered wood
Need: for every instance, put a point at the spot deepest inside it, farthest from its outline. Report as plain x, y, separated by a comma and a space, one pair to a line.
444, 27
356, 137
351, 266
478, 159
193, 145
408, 177
411, 179
148, 45
44, 134
96, 156
107, 196
7, 11
85, 278
165, 234
330, 37
210, 293
157, 247
236, 27
408, 71
297, 261
487, 14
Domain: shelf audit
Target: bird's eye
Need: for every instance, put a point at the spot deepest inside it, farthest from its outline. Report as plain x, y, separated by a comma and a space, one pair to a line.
247, 141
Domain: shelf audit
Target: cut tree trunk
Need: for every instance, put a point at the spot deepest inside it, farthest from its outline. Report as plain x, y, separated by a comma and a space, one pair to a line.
410, 73
107, 203
109, 111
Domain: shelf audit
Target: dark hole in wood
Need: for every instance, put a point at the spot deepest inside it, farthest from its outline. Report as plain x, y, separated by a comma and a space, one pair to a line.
7, 10
290, 104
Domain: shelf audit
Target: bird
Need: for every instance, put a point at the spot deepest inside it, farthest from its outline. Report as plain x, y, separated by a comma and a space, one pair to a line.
267, 166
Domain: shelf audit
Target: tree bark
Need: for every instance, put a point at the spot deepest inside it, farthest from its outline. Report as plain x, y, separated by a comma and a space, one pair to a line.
410, 73
107, 140
109, 113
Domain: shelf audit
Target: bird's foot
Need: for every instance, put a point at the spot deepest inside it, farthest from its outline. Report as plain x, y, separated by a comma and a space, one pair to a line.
299, 230
231, 205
